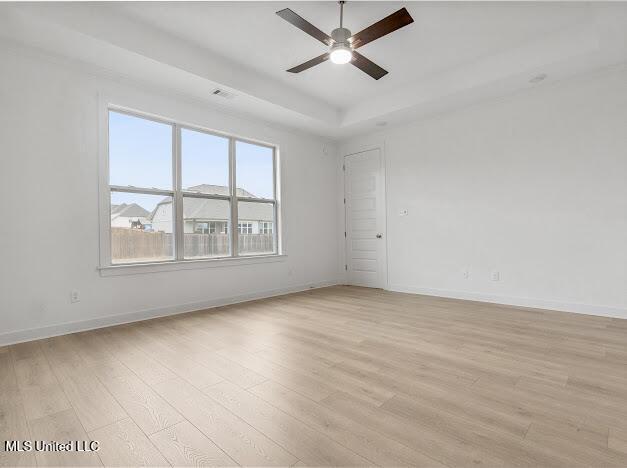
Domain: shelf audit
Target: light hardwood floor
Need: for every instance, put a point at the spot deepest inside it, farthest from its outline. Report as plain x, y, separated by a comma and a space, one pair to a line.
334, 376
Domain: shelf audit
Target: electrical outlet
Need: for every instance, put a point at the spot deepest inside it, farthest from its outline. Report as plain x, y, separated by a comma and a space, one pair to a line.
403, 212
75, 296
496, 276
466, 274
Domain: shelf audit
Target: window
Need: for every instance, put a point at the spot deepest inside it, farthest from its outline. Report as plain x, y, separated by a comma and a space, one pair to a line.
245, 228
265, 227
255, 173
218, 227
211, 227
175, 190
201, 228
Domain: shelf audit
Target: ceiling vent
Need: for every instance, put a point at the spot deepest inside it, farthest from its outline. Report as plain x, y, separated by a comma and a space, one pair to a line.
222, 93
538, 78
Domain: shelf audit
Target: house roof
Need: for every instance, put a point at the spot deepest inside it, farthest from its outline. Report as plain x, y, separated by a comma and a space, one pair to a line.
132, 210
208, 209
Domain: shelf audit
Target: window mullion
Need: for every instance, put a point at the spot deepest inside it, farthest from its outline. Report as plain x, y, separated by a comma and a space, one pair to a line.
206, 195
147, 191
179, 239
275, 207
233, 192
256, 200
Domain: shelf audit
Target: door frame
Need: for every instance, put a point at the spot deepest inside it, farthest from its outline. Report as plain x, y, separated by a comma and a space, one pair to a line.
382, 167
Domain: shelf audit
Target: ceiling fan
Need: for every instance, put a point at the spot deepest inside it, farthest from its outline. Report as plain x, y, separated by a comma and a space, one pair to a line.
342, 45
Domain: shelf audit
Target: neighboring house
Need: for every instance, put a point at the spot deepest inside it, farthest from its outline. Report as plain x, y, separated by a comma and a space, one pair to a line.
130, 216
210, 216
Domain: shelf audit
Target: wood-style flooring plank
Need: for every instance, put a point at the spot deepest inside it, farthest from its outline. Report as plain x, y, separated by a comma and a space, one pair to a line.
41, 392
239, 440
332, 376
147, 409
618, 440
13, 425
184, 445
92, 402
360, 438
296, 380
308, 445
125, 349
172, 358
62, 427
124, 444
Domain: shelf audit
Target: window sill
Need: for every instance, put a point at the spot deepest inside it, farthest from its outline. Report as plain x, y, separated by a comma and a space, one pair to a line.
158, 267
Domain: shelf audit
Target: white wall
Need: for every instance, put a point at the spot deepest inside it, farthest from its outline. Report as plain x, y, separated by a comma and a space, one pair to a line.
533, 186
49, 191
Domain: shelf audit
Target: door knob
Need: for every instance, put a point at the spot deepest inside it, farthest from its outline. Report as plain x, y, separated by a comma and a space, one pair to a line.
379, 236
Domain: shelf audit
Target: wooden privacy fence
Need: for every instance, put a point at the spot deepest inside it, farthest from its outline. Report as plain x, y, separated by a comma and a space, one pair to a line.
255, 243
206, 245
134, 244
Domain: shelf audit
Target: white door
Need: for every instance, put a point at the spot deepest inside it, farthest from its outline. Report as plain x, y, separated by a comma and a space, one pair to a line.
364, 186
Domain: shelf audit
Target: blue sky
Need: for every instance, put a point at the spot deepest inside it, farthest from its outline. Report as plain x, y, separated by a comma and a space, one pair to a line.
140, 154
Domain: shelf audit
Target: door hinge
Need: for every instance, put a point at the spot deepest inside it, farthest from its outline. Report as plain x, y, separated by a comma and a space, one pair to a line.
343, 167
346, 267
345, 201
344, 233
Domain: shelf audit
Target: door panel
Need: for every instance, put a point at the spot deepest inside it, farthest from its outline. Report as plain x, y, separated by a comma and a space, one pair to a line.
365, 219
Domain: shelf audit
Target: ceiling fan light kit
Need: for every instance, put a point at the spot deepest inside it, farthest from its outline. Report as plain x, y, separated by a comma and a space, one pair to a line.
340, 54
342, 44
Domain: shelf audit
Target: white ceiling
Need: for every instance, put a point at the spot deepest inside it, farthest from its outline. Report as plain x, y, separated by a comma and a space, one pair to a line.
443, 35
453, 54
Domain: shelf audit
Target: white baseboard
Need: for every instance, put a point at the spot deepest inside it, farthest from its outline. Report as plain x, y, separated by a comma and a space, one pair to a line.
20, 336
30, 334
577, 308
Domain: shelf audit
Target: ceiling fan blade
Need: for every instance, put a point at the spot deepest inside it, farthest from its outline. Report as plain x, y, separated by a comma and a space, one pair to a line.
379, 29
309, 63
304, 25
367, 66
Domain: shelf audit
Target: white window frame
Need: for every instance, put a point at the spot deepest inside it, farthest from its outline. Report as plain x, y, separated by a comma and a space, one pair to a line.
265, 226
107, 268
249, 227
214, 225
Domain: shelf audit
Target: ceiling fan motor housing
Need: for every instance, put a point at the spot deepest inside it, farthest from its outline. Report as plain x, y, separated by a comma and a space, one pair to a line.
340, 37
